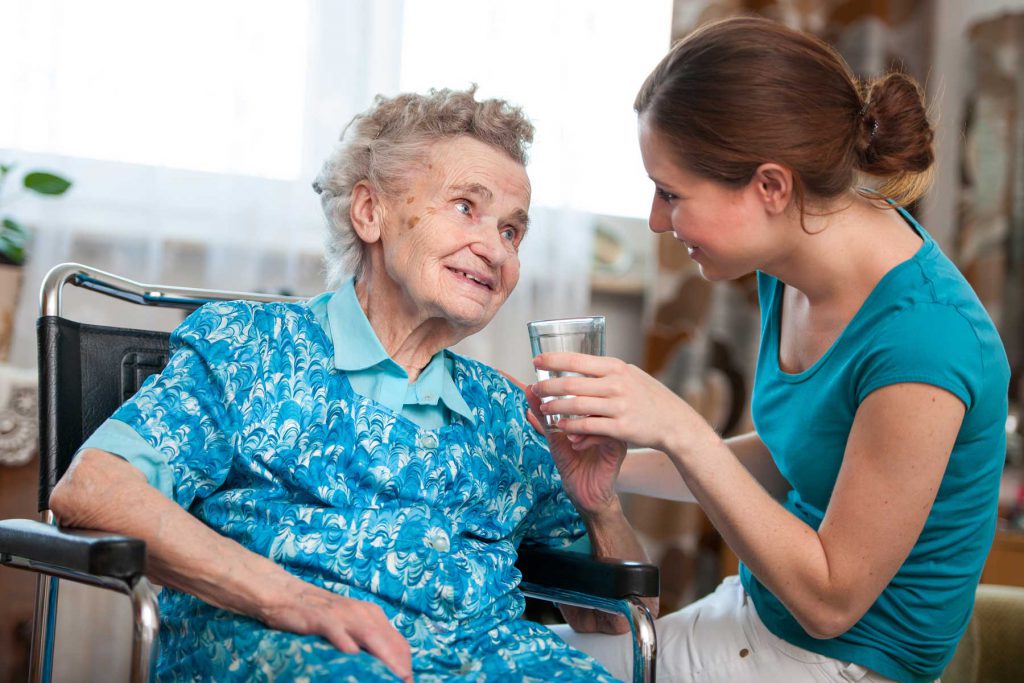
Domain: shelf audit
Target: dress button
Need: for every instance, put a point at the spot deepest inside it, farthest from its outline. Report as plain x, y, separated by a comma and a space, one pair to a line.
427, 441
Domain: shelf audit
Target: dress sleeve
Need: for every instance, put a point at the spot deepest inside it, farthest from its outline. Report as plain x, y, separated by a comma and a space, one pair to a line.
183, 426
929, 344
552, 520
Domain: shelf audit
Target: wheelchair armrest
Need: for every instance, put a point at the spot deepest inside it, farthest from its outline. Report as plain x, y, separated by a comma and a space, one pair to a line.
602, 577
71, 551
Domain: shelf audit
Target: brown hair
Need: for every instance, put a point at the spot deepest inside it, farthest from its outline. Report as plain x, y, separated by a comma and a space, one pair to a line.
384, 143
741, 92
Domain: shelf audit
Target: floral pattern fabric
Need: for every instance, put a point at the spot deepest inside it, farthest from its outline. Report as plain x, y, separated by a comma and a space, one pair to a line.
267, 444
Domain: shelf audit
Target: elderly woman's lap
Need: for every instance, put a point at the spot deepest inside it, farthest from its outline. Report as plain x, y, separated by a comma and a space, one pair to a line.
522, 651
234, 648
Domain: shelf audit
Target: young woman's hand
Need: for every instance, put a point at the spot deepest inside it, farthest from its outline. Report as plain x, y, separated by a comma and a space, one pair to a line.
618, 400
588, 476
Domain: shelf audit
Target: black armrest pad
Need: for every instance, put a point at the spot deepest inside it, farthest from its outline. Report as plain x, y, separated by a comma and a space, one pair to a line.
580, 572
78, 550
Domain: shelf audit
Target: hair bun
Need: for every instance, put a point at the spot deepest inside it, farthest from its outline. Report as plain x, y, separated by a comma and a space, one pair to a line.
894, 136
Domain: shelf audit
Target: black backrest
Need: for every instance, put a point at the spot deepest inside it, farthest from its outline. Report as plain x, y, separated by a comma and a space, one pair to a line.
85, 373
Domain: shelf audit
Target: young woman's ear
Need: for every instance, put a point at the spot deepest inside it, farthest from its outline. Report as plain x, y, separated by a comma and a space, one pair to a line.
366, 212
774, 187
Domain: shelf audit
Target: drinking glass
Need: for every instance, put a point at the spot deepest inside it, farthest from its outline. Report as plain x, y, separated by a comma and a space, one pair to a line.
579, 335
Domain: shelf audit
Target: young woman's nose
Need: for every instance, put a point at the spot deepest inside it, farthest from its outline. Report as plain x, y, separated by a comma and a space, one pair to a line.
660, 220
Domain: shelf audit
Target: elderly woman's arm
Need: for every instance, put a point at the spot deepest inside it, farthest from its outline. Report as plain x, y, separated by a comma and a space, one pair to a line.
589, 471
610, 536
102, 491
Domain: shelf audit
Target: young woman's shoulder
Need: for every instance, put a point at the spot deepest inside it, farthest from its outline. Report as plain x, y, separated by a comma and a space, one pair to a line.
939, 335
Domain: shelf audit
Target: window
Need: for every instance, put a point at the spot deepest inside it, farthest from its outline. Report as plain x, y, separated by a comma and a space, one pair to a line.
203, 86
573, 65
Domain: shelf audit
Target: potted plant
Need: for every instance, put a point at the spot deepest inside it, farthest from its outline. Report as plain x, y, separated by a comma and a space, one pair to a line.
14, 239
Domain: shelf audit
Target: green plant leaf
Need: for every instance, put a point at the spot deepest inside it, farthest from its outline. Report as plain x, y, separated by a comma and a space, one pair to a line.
46, 183
12, 251
12, 227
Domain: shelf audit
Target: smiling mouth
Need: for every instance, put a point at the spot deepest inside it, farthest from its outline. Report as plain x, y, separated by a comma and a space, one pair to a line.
690, 249
473, 278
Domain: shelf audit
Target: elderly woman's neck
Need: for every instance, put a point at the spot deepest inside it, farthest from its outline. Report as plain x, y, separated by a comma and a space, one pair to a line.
410, 338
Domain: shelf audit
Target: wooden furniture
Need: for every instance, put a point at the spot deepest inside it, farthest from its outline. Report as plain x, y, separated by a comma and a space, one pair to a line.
19, 479
1005, 564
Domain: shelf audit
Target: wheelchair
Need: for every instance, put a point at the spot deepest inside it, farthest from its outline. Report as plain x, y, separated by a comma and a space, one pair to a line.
87, 371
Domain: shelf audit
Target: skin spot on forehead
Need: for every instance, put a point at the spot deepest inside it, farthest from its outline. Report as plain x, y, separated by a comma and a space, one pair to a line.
413, 221
410, 199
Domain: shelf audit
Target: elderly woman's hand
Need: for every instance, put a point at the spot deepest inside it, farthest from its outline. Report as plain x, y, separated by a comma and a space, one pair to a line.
620, 401
588, 471
348, 624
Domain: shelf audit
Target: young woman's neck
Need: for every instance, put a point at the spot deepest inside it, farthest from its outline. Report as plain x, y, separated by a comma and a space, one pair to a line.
842, 251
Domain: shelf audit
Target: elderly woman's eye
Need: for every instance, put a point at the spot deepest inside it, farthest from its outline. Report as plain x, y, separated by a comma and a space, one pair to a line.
509, 234
464, 208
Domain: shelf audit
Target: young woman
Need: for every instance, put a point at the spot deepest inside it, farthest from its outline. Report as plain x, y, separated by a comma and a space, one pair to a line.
864, 503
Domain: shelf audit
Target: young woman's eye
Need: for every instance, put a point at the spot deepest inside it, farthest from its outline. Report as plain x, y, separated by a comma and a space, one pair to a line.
664, 195
464, 207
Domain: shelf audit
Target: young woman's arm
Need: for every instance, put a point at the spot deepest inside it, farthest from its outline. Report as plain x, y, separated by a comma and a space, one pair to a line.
896, 454
895, 457
651, 472
102, 491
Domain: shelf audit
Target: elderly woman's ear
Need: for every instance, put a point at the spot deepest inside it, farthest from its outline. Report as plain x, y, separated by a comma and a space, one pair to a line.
366, 212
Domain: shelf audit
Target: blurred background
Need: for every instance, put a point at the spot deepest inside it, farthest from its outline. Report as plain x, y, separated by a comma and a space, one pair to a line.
176, 143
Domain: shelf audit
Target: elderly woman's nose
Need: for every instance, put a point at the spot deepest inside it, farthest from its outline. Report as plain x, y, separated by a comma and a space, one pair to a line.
489, 245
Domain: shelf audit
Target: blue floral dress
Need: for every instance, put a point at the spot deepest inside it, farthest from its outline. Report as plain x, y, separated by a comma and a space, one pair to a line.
267, 444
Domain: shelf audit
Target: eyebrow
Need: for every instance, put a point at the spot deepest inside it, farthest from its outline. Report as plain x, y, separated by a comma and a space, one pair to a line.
474, 188
519, 215
522, 218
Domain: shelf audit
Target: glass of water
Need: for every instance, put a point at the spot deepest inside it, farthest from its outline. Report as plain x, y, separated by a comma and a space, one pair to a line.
578, 335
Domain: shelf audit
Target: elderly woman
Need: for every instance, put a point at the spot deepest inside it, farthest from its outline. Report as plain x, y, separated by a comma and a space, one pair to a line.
325, 491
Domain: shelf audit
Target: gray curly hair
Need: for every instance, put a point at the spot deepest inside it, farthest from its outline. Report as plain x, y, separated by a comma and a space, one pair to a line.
381, 144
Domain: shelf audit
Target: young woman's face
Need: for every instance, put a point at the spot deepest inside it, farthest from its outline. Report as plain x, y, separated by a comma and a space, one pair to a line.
722, 228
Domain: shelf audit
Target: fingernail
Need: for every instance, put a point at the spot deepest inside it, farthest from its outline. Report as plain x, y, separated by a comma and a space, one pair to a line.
533, 388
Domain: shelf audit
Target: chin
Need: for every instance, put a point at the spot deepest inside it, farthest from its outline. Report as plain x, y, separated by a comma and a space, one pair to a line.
464, 318
712, 274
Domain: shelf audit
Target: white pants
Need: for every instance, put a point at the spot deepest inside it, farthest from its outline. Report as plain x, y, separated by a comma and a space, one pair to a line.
719, 638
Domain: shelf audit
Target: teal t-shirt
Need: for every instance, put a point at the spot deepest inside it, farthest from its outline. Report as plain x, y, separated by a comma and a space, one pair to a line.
921, 323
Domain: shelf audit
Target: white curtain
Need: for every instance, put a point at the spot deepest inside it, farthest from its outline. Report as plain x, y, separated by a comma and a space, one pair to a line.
213, 189
200, 224
227, 230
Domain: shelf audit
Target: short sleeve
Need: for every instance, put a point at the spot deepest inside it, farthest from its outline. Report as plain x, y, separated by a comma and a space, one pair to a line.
553, 520
181, 428
926, 343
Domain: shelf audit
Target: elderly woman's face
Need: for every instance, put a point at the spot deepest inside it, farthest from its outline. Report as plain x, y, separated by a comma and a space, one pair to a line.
451, 241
